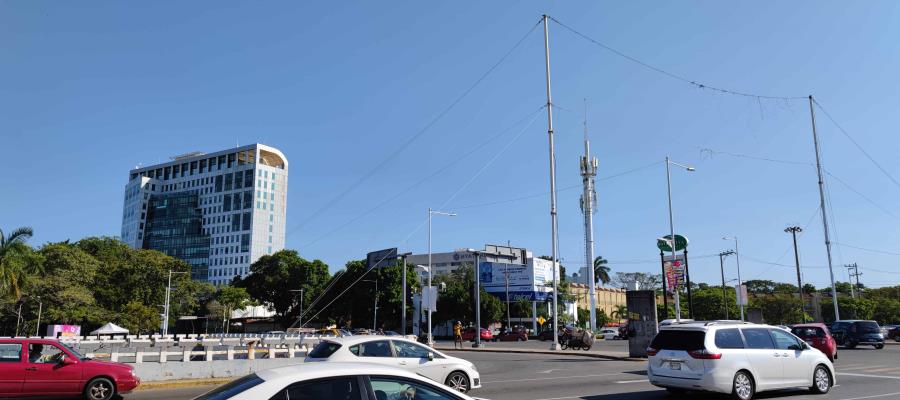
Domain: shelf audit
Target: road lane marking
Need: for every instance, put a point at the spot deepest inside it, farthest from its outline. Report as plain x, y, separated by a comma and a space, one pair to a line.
869, 375
871, 397
552, 377
634, 381
883, 369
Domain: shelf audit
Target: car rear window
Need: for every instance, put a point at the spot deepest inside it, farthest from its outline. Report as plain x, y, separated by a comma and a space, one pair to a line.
729, 339
324, 350
868, 327
10, 352
679, 340
808, 333
232, 388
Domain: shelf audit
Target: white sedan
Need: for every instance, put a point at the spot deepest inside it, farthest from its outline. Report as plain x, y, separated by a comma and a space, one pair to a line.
609, 334
456, 373
333, 381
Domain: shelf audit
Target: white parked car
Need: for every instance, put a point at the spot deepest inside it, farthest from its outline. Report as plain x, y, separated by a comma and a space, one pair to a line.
609, 333
458, 374
333, 381
737, 358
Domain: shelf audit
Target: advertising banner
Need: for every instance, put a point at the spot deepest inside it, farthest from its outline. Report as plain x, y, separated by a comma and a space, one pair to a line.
674, 272
741, 291
63, 330
523, 282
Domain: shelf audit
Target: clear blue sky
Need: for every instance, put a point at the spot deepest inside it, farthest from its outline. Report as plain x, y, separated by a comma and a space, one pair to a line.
89, 90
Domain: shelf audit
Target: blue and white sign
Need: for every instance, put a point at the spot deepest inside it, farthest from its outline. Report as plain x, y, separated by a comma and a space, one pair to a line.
523, 282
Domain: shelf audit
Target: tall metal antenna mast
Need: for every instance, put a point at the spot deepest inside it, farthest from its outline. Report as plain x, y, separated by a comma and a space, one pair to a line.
588, 201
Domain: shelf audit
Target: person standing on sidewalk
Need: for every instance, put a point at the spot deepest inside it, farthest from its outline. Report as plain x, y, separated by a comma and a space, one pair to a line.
457, 335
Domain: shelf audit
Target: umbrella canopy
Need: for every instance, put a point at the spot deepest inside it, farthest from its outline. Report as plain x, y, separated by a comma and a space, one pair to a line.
110, 329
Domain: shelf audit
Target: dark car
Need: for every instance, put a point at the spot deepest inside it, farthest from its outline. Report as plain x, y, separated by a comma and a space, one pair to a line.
516, 335
817, 335
894, 333
46, 367
852, 333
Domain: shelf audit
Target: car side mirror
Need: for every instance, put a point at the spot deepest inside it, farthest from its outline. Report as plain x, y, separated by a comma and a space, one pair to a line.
430, 356
65, 360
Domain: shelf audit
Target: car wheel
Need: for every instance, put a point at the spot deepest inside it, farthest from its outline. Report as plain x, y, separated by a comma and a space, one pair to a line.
99, 389
676, 391
742, 386
879, 346
821, 380
458, 381
849, 344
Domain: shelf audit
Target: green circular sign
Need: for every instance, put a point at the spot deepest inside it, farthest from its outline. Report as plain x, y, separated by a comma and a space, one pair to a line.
663, 243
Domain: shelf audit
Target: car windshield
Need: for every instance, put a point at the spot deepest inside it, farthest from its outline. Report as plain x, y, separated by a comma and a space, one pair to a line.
868, 327
679, 340
232, 388
74, 352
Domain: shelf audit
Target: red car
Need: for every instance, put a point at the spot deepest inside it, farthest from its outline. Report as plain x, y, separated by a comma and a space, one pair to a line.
46, 367
817, 336
469, 334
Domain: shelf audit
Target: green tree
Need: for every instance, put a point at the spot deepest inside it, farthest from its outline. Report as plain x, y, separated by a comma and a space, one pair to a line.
15, 264
139, 318
619, 312
646, 281
232, 298
778, 309
760, 286
602, 318
601, 270
708, 303
456, 302
273, 279
850, 308
66, 290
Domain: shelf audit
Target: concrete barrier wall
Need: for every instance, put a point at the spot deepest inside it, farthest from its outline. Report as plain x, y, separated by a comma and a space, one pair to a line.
153, 372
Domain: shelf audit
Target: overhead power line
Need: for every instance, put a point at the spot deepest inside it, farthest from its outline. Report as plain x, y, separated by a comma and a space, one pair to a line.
890, 253
672, 75
399, 149
855, 143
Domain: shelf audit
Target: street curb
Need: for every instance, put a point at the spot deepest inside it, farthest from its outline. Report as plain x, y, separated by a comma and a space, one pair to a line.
555, 353
181, 383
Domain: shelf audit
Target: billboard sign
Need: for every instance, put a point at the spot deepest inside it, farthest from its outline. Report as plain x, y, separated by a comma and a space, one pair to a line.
381, 258
741, 291
63, 330
674, 272
522, 282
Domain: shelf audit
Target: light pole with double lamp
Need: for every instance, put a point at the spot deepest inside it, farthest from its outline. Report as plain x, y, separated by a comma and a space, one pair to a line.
430, 292
672, 227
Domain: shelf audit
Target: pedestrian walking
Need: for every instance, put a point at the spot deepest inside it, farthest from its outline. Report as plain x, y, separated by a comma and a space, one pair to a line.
457, 335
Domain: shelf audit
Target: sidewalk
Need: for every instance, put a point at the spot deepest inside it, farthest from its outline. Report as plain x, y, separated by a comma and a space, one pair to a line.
512, 347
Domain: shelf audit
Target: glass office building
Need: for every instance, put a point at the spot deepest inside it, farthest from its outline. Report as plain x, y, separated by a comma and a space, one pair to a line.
219, 212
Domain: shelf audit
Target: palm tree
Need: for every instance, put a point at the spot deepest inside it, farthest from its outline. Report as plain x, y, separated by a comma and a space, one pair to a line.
619, 312
601, 270
11, 274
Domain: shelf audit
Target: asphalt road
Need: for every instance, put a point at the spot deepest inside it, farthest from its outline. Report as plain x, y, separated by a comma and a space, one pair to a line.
862, 374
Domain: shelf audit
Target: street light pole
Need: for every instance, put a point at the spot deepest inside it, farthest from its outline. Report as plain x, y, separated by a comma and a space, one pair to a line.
672, 229
793, 231
554, 250
168, 293
430, 274
37, 328
737, 256
300, 318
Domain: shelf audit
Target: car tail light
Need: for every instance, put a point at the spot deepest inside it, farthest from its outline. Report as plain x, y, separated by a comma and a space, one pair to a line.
704, 355
651, 351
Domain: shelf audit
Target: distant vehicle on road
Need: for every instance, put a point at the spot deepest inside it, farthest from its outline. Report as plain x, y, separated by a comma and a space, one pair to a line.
332, 381
47, 367
852, 333
458, 374
817, 335
894, 333
468, 334
740, 359
516, 335
609, 333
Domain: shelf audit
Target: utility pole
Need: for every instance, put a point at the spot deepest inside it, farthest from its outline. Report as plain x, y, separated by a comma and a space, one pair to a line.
588, 201
554, 250
793, 231
834, 300
722, 256
403, 302
853, 293
168, 294
477, 301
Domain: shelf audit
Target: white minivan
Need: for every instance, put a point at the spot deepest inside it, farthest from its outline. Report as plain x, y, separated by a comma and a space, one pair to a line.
734, 357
